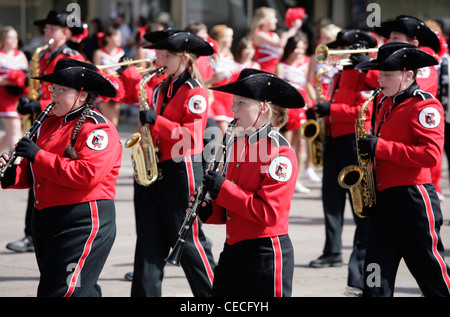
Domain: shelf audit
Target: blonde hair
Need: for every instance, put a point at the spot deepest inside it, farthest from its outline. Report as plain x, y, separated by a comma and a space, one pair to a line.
3, 32
331, 30
276, 115
260, 17
218, 32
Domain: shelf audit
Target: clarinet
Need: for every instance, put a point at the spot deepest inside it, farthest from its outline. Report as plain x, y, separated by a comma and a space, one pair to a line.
174, 256
29, 134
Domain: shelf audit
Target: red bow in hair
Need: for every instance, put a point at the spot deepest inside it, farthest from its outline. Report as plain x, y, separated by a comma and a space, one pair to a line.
293, 14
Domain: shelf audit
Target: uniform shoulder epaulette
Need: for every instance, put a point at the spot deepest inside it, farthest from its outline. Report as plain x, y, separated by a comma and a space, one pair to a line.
278, 138
70, 51
192, 82
423, 94
97, 117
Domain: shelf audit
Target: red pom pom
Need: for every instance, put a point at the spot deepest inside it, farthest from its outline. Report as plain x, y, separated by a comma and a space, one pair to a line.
293, 14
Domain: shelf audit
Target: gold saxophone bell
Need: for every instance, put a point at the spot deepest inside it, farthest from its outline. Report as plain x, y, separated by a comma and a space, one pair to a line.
324, 54
309, 130
350, 178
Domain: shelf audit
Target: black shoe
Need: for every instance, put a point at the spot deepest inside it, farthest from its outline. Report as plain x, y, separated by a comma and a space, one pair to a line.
129, 276
333, 260
23, 245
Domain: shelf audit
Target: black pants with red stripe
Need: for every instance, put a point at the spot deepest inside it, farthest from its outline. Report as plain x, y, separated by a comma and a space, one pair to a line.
72, 244
160, 211
405, 224
255, 268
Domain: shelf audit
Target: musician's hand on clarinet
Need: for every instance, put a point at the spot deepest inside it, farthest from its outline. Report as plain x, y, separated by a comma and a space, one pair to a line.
213, 182
205, 209
367, 146
3, 159
147, 116
26, 148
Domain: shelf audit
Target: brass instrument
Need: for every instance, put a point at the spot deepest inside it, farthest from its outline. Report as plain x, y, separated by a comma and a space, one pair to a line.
324, 54
34, 84
144, 153
359, 179
174, 256
29, 134
313, 130
125, 63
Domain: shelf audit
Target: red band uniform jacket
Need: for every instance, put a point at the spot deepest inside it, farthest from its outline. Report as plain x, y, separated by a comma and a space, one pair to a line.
181, 122
58, 180
255, 199
410, 127
47, 63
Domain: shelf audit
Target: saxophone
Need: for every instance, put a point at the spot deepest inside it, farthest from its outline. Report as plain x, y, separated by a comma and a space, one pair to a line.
359, 179
33, 84
144, 153
313, 130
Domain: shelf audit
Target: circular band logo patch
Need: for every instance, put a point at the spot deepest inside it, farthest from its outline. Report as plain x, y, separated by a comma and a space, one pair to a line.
430, 118
197, 104
97, 140
280, 169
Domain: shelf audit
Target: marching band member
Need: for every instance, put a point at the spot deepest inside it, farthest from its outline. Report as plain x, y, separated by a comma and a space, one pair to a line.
13, 64
73, 169
56, 28
408, 141
110, 52
407, 29
253, 194
341, 113
177, 117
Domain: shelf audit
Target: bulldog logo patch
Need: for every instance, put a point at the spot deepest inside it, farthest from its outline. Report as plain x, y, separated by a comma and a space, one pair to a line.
97, 140
430, 118
280, 169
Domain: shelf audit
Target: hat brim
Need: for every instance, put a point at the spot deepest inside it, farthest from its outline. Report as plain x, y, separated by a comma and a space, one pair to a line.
405, 58
264, 86
184, 42
81, 78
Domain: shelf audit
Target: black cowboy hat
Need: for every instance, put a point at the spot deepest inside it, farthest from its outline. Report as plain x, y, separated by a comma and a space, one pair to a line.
56, 17
79, 75
352, 37
263, 86
398, 56
412, 27
179, 41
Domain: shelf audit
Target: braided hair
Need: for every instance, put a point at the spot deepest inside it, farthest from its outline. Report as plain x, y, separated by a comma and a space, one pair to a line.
89, 105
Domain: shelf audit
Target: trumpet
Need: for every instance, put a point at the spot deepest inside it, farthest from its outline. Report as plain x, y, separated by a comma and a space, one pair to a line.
29, 134
125, 63
324, 54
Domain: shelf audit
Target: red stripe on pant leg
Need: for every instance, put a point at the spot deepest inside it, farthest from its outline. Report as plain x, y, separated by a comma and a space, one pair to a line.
86, 249
190, 175
434, 238
278, 267
201, 251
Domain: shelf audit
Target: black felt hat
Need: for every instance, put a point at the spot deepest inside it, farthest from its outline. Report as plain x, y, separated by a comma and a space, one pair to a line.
352, 37
56, 17
412, 27
263, 86
179, 41
398, 56
79, 75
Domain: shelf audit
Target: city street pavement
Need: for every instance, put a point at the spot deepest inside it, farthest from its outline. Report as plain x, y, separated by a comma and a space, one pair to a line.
19, 275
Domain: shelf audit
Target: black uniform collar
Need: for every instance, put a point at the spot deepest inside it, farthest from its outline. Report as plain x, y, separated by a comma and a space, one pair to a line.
405, 94
74, 114
257, 135
180, 80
